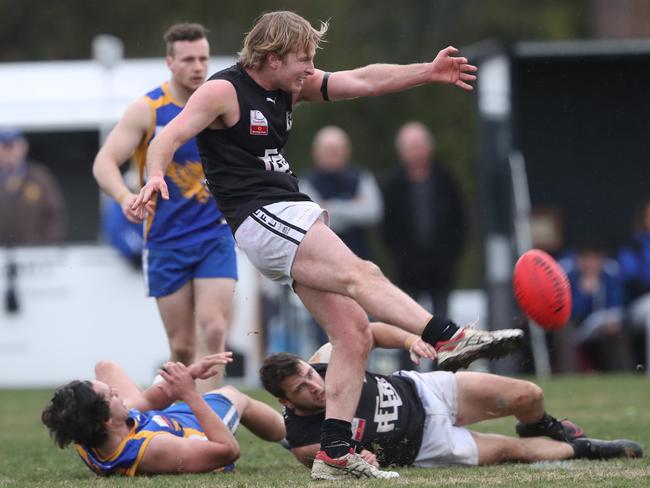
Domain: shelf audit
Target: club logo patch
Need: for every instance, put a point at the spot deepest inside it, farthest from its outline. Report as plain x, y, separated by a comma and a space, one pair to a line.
259, 124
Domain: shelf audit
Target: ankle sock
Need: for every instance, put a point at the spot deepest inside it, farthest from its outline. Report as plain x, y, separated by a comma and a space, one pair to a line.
439, 329
336, 437
581, 448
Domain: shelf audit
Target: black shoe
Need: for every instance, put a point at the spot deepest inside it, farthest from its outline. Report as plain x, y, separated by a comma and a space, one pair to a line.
597, 449
560, 430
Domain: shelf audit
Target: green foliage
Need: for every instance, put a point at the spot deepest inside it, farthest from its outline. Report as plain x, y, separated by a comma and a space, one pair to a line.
605, 406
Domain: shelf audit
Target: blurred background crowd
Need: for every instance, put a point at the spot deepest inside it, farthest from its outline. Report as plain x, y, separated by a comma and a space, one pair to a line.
419, 182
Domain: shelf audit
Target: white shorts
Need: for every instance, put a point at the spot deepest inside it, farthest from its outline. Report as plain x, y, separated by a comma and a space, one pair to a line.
271, 234
442, 442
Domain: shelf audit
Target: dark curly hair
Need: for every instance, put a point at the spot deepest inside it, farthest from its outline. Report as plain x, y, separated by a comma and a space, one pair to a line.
77, 413
277, 368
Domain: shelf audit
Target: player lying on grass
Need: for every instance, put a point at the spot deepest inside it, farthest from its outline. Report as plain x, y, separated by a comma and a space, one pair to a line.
118, 428
412, 418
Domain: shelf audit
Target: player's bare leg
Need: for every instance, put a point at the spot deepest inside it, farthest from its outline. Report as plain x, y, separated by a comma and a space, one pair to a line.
323, 262
348, 329
483, 396
213, 298
177, 313
256, 416
495, 448
349, 332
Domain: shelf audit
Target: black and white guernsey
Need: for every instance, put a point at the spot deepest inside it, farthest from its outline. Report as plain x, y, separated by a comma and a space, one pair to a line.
390, 411
244, 164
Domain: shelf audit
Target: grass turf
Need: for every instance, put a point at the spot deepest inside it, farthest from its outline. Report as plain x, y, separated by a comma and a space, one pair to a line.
606, 407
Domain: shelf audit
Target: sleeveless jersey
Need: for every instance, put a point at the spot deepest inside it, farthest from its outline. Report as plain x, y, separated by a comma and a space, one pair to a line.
389, 413
244, 164
177, 420
191, 215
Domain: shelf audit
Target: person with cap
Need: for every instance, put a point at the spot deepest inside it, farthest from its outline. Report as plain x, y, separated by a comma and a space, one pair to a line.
32, 208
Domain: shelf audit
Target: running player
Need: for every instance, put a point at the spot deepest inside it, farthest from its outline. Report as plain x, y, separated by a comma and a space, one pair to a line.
117, 428
189, 259
243, 116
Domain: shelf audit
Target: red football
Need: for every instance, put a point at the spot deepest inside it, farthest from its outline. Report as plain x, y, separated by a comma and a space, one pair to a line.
542, 289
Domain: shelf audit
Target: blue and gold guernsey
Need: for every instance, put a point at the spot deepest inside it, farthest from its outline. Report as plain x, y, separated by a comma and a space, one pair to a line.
191, 215
176, 420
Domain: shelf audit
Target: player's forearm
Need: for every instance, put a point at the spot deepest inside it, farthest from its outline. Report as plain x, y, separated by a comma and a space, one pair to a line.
109, 178
160, 153
213, 427
365, 209
381, 79
156, 398
390, 337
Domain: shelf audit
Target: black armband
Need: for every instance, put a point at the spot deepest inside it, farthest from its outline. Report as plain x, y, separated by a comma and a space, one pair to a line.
438, 328
323, 86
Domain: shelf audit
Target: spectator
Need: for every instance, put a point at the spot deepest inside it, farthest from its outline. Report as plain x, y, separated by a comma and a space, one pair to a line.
423, 224
349, 194
32, 209
634, 260
597, 310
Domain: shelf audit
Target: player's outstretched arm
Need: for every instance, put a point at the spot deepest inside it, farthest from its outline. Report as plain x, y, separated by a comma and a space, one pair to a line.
209, 365
159, 396
380, 79
206, 104
391, 337
119, 146
388, 337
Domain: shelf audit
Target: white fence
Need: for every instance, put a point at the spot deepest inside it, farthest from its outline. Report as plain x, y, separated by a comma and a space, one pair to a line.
80, 304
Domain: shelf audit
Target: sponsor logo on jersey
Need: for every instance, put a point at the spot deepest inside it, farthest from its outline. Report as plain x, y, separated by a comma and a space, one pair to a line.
358, 428
289, 120
259, 124
274, 161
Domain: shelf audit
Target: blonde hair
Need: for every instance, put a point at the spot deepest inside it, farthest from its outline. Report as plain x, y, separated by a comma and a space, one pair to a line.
279, 33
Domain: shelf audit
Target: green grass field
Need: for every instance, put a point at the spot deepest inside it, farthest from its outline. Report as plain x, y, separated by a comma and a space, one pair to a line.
605, 406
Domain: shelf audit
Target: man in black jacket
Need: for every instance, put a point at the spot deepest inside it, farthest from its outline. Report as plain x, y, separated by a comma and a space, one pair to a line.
423, 223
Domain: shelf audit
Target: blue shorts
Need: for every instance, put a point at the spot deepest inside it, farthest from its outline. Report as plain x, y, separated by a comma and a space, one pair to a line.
167, 270
219, 404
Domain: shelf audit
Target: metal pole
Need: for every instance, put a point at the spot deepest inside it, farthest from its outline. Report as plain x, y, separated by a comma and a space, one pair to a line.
521, 202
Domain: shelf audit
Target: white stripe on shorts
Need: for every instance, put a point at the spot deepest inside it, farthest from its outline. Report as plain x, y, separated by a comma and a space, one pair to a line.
271, 234
228, 417
279, 227
145, 270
